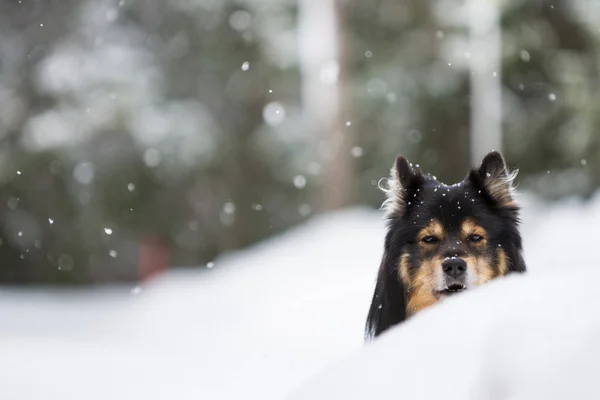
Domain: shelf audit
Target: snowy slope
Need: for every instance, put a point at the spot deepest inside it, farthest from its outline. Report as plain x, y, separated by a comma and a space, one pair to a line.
262, 322
522, 338
526, 337
258, 323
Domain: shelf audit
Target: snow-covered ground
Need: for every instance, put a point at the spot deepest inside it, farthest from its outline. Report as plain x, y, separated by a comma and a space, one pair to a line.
258, 325
522, 338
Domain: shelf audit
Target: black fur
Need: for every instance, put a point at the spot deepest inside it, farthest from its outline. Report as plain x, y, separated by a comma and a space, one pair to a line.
419, 198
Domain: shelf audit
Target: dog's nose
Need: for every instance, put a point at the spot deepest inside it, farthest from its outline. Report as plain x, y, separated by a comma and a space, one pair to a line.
454, 267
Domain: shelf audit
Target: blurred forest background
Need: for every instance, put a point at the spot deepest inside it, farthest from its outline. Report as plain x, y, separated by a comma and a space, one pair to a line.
136, 135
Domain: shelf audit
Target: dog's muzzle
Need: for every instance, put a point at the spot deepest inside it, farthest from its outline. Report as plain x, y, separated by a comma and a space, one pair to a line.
455, 275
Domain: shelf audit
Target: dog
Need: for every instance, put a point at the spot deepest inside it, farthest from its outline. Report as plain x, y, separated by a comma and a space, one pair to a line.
443, 240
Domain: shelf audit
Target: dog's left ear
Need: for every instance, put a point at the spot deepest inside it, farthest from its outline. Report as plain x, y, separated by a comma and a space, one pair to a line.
493, 177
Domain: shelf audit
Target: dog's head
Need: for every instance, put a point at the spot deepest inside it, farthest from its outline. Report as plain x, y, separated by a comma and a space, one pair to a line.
443, 240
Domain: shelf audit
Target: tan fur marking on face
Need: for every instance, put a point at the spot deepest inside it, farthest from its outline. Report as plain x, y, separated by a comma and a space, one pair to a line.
481, 269
470, 227
420, 293
403, 272
502, 262
433, 228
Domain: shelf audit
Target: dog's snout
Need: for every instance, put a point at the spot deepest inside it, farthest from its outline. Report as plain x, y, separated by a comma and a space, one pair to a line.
454, 267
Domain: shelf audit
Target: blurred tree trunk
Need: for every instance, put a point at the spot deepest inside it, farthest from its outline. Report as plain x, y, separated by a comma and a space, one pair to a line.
485, 49
325, 78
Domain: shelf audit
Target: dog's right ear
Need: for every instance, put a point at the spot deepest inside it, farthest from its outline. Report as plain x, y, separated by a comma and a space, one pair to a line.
388, 306
495, 179
402, 181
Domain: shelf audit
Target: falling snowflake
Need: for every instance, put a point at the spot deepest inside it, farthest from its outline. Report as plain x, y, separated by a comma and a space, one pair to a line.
136, 290
357, 151
274, 114
229, 208
299, 181
305, 210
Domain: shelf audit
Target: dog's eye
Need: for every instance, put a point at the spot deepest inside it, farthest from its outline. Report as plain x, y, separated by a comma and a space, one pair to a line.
430, 239
475, 238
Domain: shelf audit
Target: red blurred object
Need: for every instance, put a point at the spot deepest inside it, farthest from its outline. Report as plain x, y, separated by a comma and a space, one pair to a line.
154, 257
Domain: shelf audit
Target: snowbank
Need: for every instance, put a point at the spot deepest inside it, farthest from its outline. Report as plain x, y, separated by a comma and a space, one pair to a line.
523, 337
261, 321
533, 337
265, 320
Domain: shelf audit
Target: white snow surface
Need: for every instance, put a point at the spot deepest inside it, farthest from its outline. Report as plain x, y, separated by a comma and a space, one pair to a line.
522, 338
268, 320
257, 323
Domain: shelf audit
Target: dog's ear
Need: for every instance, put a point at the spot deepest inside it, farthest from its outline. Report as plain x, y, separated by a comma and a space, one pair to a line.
405, 175
402, 182
494, 178
388, 306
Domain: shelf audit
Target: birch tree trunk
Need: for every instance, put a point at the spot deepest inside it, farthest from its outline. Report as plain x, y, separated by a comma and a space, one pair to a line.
485, 76
323, 82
